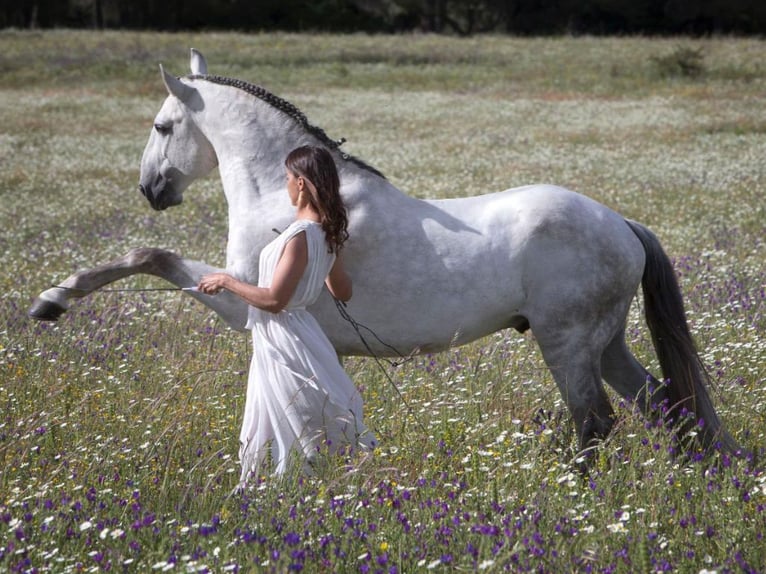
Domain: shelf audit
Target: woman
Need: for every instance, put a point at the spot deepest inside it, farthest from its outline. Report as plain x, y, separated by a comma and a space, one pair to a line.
299, 398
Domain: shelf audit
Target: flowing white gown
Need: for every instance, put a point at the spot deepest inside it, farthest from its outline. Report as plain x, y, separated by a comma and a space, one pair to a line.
299, 401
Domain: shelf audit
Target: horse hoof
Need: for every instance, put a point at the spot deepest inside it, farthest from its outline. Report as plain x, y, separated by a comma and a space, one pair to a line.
43, 310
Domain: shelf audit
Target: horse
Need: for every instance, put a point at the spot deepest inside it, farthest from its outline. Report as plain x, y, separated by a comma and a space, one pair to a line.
428, 274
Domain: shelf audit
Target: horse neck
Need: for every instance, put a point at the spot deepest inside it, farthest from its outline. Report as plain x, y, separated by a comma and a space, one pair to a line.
252, 139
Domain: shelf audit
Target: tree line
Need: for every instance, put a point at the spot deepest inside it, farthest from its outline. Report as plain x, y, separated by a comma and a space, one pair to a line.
462, 17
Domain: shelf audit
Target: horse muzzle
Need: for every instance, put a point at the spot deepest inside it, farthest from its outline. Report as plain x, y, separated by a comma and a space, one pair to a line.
160, 200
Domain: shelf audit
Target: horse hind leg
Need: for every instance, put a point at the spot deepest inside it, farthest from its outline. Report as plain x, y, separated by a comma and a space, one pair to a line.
622, 371
576, 368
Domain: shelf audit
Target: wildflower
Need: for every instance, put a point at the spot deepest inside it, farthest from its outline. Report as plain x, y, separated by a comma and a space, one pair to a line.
86, 526
292, 538
617, 527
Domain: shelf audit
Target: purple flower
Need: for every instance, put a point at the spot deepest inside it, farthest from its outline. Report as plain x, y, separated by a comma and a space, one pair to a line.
292, 538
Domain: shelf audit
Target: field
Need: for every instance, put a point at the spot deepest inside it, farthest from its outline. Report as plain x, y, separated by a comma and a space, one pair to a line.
118, 436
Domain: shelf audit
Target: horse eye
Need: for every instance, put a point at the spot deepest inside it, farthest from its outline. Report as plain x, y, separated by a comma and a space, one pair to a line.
162, 129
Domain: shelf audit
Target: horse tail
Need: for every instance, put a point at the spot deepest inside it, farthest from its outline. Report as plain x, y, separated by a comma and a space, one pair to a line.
682, 368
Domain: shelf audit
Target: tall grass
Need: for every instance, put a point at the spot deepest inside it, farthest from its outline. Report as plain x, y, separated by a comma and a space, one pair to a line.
119, 423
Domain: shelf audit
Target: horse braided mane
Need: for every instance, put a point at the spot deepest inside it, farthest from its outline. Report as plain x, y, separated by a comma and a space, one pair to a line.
292, 111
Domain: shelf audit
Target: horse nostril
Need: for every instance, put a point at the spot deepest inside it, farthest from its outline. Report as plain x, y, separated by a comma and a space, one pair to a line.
153, 201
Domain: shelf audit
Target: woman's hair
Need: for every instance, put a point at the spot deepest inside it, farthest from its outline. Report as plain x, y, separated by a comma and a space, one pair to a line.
315, 164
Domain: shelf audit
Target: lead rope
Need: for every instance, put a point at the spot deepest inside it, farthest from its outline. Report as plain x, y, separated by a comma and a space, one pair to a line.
123, 290
378, 360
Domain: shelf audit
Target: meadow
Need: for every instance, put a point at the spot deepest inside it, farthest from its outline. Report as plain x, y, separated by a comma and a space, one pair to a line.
119, 424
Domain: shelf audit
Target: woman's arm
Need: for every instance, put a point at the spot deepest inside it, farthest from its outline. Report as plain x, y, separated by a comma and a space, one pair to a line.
338, 281
274, 298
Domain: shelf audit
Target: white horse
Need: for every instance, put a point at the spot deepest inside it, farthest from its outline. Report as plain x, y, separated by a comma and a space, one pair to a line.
427, 274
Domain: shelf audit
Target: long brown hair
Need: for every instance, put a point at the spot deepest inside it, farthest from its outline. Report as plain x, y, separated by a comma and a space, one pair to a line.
315, 164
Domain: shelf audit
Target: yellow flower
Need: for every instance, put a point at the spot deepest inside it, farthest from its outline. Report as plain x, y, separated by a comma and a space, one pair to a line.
383, 546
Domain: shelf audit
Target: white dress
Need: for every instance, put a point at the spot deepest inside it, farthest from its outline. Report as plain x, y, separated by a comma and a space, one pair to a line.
299, 398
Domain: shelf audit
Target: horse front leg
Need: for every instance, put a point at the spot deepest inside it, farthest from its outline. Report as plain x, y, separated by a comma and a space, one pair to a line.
53, 302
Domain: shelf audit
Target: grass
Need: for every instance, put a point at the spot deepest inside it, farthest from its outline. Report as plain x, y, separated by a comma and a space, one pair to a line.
119, 426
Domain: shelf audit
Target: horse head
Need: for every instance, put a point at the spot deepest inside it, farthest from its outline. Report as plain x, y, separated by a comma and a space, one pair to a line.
177, 152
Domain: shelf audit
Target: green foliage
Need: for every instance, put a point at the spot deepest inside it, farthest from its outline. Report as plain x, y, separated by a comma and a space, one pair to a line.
118, 436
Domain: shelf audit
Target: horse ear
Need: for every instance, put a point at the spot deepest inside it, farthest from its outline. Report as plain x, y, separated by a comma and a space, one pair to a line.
175, 86
198, 63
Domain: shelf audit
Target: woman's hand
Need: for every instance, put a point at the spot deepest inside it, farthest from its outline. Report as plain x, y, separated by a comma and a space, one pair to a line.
274, 298
214, 283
